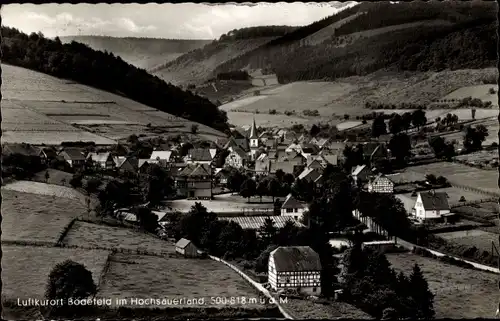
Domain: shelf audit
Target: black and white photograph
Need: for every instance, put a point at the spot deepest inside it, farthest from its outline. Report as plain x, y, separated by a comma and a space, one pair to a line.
231, 161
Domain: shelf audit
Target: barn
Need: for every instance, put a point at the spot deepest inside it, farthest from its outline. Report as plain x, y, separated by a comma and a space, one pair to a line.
186, 247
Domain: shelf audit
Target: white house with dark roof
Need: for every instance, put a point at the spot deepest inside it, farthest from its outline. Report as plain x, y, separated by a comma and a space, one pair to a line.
236, 158
380, 184
103, 160
186, 248
431, 205
295, 267
291, 207
161, 155
361, 173
75, 157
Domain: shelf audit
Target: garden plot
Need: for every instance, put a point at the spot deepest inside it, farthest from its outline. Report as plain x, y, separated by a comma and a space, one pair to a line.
459, 292
36, 217
25, 269
136, 276
94, 235
460, 175
480, 239
479, 91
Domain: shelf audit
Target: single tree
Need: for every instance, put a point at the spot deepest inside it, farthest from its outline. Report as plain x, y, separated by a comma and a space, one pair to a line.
248, 188
70, 280
194, 129
431, 178
314, 130
422, 296
400, 146
146, 219
406, 120
273, 187
396, 124
379, 127
92, 185
418, 118
47, 176
234, 180
268, 231
262, 262
76, 180
262, 188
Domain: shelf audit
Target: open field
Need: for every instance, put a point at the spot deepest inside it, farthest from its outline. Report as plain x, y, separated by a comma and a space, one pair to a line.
348, 124
491, 125
308, 309
478, 91
478, 238
486, 158
25, 269
487, 210
33, 100
36, 217
458, 174
44, 189
454, 195
94, 235
136, 276
459, 293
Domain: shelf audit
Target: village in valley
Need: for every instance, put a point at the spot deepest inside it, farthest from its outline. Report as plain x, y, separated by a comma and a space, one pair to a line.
385, 212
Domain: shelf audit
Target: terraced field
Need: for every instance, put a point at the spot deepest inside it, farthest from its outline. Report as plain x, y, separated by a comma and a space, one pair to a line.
38, 108
480, 91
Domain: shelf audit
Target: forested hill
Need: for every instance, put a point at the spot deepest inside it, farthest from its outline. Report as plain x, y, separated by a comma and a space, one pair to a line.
416, 36
103, 70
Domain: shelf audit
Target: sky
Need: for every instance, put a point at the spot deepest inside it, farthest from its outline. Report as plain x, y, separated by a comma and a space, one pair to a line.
171, 21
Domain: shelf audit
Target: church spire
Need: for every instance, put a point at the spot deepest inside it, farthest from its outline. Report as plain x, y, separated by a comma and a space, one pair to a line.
253, 131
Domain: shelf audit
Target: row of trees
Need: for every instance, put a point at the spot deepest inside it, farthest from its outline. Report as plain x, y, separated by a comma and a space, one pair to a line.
398, 123
103, 70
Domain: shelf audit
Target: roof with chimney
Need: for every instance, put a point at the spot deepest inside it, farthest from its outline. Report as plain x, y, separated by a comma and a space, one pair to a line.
434, 201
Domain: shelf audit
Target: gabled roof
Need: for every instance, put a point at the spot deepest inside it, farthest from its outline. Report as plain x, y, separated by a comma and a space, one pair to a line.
295, 259
49, 152
98, 157
73, 153
379, 176
193, 170
434, 201
332, 159
119, 160
262, 158
182, 243
239, 151
142, 162
310, 174
161, 154
370, 148
200, 154
291, 202
286, 167
256, 222
358, 169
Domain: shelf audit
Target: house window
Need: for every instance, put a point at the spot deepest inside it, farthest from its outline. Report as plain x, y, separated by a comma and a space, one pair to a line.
289, 210
287, 280
296, 210
314, 289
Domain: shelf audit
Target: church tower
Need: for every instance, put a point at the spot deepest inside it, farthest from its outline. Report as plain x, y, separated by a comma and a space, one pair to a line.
254, 140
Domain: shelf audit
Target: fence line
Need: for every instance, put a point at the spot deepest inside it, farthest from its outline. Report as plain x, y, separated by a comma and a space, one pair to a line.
258, 286
411, 246
474, 189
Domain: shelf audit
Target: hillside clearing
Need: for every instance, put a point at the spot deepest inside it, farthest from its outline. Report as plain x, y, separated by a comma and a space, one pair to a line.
459, 292
482, 240
109, 237
175, 278
25, 269
36, 217
240, 119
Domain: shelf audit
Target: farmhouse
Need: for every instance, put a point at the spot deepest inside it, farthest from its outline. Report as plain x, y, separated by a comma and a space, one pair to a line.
431, 205
73, 156
374, 152
20, 149
237, 157
291, 207
221, 176
47, 154
286, 166
129, 164
310, 174
200, 156
186, 248
103, 160
361, 174
380, 184
144, 164
295, 267
194, 181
